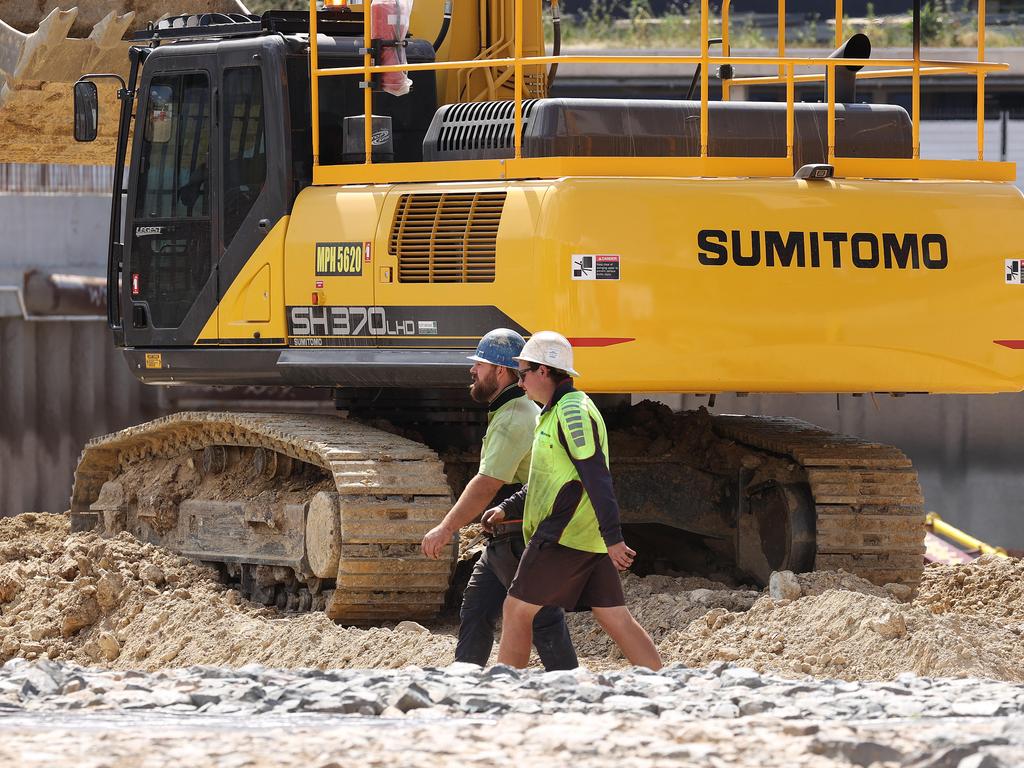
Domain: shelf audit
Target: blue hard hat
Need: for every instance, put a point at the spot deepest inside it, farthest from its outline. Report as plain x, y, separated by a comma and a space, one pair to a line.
499, 347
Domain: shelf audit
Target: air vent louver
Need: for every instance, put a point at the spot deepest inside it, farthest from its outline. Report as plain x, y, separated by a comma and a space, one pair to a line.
476, 130
446, 238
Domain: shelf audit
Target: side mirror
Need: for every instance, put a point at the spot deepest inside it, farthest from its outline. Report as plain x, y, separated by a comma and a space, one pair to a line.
87, 111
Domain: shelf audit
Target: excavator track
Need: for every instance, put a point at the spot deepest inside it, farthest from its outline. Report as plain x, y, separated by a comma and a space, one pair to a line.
867, 497
389, 492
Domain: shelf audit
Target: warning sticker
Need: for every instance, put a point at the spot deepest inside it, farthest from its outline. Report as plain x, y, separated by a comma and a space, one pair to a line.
154, 360
598, 266
1015, 271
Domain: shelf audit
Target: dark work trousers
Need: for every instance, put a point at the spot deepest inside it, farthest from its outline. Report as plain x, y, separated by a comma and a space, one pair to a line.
482, 603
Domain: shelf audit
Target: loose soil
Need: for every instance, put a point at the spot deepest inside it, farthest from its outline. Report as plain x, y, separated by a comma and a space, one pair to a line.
123, 603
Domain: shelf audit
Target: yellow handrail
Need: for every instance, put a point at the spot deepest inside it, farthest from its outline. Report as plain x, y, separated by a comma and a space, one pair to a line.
936, 523
786, 66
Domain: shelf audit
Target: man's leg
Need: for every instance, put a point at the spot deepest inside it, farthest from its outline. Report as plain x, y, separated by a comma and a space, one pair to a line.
550, 634
481, 607
516, 632
632, 639
552, 641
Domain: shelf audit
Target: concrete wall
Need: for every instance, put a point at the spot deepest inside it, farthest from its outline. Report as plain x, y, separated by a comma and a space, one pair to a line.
61, 383
63, 232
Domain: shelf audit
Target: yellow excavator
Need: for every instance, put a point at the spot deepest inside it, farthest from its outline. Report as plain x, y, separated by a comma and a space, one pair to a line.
349, 197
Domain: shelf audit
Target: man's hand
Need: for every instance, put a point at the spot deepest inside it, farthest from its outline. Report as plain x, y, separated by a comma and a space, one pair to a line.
621, 555
491, 518
435, 541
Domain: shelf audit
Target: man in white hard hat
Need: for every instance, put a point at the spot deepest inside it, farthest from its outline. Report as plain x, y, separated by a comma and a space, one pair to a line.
570, 514
504, 465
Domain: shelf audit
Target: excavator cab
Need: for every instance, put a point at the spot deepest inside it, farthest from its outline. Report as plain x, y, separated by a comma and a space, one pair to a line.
220, 148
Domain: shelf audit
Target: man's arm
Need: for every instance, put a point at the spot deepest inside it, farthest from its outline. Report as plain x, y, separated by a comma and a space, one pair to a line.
515, 504
473, 500
596, 480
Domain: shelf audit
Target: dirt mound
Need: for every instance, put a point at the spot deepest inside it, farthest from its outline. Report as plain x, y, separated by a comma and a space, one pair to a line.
122, 603
36, 124
850, 635
991, 588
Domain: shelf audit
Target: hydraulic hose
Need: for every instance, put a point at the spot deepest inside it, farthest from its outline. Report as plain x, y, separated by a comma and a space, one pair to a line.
696, 72
556, 46
445, 24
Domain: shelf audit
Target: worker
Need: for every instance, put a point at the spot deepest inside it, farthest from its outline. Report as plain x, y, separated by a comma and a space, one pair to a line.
504, 461
570, 514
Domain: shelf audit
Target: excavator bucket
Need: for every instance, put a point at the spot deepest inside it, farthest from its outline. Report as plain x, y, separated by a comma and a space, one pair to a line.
41, 58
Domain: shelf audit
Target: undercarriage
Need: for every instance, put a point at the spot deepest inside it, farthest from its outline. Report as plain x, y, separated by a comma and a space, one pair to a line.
327, 513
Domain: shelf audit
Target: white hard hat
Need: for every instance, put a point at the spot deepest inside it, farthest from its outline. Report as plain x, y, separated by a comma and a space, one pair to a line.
550, 349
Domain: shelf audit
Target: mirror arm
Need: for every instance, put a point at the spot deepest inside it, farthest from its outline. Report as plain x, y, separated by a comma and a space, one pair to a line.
122, 92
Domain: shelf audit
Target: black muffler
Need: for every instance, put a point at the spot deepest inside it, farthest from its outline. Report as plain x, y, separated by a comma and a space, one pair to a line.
857, 47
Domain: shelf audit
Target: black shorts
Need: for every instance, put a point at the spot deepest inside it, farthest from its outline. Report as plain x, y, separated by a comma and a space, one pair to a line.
550, 574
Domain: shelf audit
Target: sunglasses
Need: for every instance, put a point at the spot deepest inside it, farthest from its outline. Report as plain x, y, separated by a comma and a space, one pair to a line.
521, 372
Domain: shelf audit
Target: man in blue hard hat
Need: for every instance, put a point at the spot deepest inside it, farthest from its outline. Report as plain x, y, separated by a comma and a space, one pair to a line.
504, 462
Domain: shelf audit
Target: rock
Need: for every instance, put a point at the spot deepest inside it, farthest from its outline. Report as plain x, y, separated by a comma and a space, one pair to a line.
346, 704
635, 704
889, 625
153, 575
900, 592
9, 588
37, 682
109, 647
462, 669
951, 757
862, 753
502, 671
480, 704
748, 678
755, 706
703, 596
980, 760
411, 628
82, 613
73, 685
200, 698
988, 708
728, 653
414, 697
782, 585
724, 710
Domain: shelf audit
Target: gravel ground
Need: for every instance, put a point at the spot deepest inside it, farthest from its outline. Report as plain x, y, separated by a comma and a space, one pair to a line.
54, 714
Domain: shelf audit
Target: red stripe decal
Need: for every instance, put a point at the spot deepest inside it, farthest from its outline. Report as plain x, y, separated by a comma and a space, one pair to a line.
1011, 343
598, 341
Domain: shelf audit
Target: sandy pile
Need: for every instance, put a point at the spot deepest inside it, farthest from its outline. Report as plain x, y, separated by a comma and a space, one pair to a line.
37, 123
121, 603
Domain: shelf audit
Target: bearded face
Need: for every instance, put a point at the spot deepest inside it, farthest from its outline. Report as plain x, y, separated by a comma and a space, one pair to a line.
485, 382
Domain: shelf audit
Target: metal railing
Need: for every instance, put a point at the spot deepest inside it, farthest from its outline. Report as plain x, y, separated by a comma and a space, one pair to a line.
702, 165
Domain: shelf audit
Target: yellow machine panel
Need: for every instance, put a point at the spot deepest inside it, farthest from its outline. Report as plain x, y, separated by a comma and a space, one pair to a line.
252, 309
677, 285
785, 285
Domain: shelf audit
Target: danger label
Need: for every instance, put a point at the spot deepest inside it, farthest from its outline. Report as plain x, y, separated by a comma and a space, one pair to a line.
597, 266
1015, 271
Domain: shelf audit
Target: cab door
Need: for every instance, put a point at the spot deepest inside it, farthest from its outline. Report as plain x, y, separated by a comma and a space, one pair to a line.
252, 186
170, 285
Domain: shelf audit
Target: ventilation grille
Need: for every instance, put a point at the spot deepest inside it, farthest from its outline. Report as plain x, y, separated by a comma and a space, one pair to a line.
481, 125
446, 238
